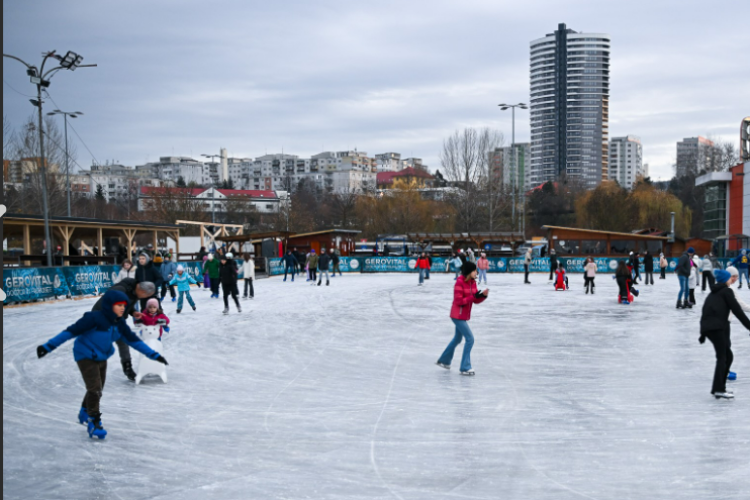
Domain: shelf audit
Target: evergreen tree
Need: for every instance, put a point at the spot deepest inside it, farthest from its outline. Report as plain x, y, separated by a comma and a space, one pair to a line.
99, 195
181, 182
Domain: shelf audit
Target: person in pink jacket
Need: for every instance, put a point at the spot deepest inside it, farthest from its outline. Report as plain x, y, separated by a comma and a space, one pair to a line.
465, 295
483, 265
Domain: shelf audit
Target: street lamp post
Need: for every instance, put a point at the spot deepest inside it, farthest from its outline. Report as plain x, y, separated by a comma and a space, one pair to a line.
213, 190
514, 165
66, 114
38, 77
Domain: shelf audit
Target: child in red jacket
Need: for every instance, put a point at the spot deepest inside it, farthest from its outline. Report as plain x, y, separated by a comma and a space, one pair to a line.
423, 265
561, 280
154, 316
465, 294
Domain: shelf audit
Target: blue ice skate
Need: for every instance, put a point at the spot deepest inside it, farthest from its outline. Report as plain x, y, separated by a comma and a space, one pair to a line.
625, 302
83, 416
732, 376
95, 428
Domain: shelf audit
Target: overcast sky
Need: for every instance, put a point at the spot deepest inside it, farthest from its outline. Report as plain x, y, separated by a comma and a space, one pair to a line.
187, 77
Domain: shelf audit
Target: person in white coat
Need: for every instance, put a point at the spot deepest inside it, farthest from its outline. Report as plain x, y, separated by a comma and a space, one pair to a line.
248, 271
695, 268
127, 271
708, 271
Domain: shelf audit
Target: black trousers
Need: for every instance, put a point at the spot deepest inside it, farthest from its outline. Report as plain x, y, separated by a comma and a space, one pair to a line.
124, 350
649, 276
314, 274
708, 276
94, 375
215, 282
622, 283
230, 290
552, 270
692, 295
724, 358
526, 273
589, 282
249, 286
164, 288
663, 273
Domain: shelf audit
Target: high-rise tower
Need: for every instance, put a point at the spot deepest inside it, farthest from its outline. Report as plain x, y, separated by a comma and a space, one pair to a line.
569, 107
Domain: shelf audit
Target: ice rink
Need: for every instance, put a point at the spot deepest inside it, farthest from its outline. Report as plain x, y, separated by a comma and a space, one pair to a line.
332, 393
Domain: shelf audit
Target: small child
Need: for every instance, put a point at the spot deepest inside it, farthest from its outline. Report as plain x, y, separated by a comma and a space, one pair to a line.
183, 281
561, 280
154, 316
95, 335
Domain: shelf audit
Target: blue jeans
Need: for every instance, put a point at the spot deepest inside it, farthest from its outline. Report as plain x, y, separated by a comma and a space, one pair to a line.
422, 273
482, 275
744, 272
462, 331
684, 289
181, 301
290, 269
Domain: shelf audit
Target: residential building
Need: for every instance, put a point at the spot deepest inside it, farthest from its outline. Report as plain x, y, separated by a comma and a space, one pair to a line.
264, 202
695, 155
511, 170
626, 160
726, 209
117, 181
20, 171
389, 162
569, 107
174, 168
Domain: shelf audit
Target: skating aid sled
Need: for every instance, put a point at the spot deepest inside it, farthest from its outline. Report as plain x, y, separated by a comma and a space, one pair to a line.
150, 337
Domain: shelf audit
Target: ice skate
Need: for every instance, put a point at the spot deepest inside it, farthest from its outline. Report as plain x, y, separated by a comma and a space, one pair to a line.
226, 311
194, 308
95, 428
468, 373
679, 305
83, 417
443, 365
127, 369
723, 395
174, 299
179, 311
328, 283
239, 309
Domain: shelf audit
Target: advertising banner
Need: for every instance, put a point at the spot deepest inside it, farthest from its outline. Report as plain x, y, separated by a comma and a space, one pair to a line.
36, 283
194, 269
346, 265
89, 280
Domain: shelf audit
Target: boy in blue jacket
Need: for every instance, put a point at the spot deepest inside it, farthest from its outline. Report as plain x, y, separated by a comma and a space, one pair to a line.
94, 336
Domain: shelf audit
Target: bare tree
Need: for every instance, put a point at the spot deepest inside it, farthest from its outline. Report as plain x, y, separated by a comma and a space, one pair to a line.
342, 206
8, 139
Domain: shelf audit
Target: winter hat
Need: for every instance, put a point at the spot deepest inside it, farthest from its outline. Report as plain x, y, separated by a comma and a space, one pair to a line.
152, 302
210, 256
744, 252
230, 255
691, 250
180, 269
468, 268
158, 260
145, 254
722, 276
733, 271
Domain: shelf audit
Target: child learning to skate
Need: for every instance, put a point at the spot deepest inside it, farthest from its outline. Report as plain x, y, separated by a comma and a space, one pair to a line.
154, 316
95, 335
183, 281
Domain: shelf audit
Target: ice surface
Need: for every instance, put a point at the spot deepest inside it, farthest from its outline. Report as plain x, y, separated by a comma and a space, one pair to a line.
332, 393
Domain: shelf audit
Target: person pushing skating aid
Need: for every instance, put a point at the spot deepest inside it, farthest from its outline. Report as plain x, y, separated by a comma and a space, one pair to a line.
94, 336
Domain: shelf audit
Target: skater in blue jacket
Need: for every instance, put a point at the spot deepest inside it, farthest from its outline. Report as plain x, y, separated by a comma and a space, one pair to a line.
742, 263
94, 336
183, 281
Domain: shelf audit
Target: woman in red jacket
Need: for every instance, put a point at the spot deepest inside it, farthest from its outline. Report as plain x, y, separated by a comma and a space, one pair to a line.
423, 264
465, 294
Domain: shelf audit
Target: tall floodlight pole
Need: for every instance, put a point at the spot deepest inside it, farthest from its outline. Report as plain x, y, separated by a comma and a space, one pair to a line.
66, 114
38, 77
213, 190
514, 166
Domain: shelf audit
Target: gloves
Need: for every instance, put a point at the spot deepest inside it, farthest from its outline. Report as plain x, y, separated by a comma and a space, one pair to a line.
162, 360
161, 322
478, 295
166, 329
702, 339
42, 351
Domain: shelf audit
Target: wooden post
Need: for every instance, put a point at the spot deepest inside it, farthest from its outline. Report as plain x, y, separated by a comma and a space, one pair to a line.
66, 234
26, 242
203, 241
177, 245
156, 240
100, 241
130, 236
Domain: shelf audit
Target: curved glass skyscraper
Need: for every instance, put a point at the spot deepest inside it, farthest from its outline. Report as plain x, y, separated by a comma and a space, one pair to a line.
569, 107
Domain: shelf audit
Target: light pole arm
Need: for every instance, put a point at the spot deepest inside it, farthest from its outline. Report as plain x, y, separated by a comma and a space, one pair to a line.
19, 60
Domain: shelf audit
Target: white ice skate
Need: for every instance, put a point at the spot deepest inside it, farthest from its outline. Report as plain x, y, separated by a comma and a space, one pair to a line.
150, 337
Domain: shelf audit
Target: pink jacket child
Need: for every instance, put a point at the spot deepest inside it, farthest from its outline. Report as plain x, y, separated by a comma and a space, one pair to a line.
464, 297
154, 316
483, 264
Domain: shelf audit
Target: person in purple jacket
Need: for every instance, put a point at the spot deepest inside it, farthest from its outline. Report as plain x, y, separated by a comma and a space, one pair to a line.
95, 335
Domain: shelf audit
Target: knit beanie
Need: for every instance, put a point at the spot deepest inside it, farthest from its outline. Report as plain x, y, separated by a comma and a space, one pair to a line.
158, 260
722, 276
733, 271
468, 268
180, 269
152, 302
691, 250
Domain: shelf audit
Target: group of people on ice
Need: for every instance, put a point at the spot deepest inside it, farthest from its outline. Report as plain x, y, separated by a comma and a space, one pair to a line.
327, 264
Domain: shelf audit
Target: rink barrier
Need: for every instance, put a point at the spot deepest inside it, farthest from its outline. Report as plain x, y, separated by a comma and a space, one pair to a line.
366, 265
39, 283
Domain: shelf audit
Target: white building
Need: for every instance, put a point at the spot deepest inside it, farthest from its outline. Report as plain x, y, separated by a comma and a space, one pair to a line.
118, 181
509, 170
389, 162
265, 202
695, 155
172, 168
626, 160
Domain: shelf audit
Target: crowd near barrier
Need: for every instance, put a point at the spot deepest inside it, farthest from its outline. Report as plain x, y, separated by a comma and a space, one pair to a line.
497, 265
36, 283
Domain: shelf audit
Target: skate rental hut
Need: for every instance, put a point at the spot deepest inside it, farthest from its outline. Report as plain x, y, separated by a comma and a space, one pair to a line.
495, 244
575, 242
82, 241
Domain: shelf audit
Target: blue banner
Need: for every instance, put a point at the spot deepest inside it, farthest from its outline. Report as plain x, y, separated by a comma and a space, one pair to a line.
346, 265
25, 284
194, 269
89, 280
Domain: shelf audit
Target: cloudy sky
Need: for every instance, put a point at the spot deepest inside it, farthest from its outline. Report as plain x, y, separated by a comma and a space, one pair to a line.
187, 77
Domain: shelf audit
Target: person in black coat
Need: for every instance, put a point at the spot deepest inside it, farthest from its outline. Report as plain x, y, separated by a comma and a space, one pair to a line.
683, 275
228, 278
324, 264
648, 266
290, 265
715, 327
552, 263
134, 291
147, 272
